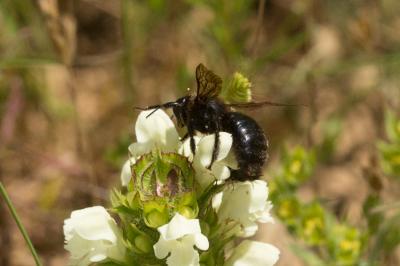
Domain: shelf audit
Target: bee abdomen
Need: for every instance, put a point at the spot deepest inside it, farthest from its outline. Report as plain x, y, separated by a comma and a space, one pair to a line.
249, 144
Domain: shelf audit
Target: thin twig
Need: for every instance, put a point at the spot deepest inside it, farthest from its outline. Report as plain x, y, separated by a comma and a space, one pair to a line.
28, 241
260, 19
5, 239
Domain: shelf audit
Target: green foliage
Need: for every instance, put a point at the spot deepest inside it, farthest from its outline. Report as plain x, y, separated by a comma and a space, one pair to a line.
333, 242
17, 52
161, 185
331, 128
297, 167
390, 150
384, 225
115, 153
374, 219
387, 239
344, 244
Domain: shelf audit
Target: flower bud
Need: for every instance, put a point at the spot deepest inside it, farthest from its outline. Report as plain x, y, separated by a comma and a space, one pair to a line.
164, 175
155, 213
138, 240
165, 185
143, 243
238, 89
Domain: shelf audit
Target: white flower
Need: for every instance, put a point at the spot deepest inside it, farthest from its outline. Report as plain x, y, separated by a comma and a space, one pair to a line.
157, 130
251, 253
177, 238
91, 235
201, 160
245, 203
126, 173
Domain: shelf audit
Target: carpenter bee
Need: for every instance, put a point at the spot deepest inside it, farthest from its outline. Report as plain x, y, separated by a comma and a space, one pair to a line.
205, 113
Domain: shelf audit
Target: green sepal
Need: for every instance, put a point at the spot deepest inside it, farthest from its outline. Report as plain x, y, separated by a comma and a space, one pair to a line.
159, 174
155, 213
140, 241
124, 204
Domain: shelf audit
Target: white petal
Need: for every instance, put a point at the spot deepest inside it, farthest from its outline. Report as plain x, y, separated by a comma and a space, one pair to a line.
225, 145
78, 247
178, 227
246, 203
163, 247
217, 200
98, 257
177, 238
184, 256
259, 194
250, 229
230, 160
157, 128
201, 241
91, 235
185, 149
236, 202
93, 223
220, 171
206, 147
251, 253
126, 173
264, 216
203, 176
137, 149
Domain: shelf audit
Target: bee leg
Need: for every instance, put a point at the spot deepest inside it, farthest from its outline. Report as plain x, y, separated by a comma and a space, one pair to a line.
215, 150
192, 142
192, 145
185, 137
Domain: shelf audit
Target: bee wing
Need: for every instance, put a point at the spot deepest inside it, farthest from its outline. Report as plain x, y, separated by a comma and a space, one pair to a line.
209, 85
250, 105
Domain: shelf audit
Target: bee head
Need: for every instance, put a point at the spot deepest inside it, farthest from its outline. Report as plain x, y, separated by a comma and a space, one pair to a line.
179, 108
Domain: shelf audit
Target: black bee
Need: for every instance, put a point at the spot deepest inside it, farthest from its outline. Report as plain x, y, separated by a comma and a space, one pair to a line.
205, 113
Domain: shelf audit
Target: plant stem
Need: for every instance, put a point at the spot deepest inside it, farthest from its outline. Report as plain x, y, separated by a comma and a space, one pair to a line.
19, 223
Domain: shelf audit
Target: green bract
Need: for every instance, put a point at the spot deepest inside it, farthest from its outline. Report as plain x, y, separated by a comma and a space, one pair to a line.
164, 183
390, 150
237, 89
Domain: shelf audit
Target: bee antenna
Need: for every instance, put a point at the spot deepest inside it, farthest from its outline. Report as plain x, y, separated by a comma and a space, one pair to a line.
140, 108
155, 110
156, 107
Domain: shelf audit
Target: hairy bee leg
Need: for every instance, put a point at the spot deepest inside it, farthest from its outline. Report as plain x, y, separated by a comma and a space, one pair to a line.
192, 145
215, 150
190, 133
185, 137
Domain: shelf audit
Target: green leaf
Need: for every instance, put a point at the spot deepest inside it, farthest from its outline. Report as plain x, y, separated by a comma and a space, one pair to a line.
307, 256
390, 158
392, 126
387, 238
374, 219
331, 129
298, 165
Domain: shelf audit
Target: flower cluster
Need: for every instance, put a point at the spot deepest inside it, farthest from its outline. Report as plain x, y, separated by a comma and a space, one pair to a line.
173, 209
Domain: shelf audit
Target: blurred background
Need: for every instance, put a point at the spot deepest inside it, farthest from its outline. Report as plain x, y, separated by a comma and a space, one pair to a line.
71, 72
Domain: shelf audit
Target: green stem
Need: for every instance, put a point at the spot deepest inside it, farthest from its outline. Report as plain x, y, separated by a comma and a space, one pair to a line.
20, 226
